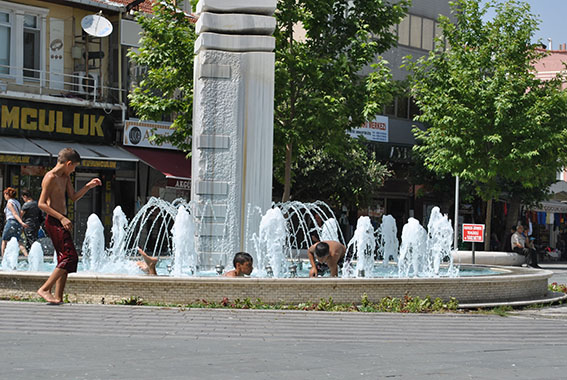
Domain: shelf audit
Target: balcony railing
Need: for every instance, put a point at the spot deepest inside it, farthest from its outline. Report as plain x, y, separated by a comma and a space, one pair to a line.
79, 85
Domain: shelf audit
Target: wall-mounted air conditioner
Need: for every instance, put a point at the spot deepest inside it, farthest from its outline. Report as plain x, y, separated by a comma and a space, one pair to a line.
86, 84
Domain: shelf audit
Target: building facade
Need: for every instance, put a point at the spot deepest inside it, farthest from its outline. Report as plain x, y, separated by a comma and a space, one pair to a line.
64, 79
394, 139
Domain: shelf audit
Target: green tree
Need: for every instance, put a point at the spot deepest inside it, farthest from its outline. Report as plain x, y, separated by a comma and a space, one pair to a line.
491, 121
166, 54
322, 47
351, 181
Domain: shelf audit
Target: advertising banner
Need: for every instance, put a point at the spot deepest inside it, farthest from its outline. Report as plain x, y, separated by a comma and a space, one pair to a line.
137, 133
376, 130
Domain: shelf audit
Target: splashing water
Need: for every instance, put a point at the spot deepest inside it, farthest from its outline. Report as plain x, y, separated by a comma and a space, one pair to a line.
414, 245
119, 231
94, 255
11, 253
271, 244
439, 243
185, 257
283, 233
362, 247
330, 229
388, 240
35, 257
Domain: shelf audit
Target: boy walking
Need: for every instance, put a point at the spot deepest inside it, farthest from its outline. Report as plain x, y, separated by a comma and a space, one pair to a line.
55, 185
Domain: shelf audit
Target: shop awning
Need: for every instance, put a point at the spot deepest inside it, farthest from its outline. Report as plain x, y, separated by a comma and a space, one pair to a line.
21, 151
551, 206
92, 156
172, 163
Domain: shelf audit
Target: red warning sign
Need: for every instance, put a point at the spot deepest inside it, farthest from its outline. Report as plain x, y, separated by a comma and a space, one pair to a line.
473, 233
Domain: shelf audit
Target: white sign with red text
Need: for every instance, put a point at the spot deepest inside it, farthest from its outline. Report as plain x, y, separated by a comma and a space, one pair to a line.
473, 233
376, 130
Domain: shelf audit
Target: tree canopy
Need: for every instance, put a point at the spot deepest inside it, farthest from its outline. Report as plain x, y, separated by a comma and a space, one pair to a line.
322, 47
166, 54
490, 120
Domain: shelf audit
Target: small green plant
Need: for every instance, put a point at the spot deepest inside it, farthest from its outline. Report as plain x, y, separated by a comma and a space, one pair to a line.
502, 310
133, 300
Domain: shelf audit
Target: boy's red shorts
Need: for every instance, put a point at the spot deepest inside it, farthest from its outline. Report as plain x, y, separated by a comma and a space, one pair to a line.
67, 257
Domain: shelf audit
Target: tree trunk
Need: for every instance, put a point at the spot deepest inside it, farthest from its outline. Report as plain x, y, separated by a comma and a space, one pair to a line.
488, 225
287, 173
289, 146
511, 220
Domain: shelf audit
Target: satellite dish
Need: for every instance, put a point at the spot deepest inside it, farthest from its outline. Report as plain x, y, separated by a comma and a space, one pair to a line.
96, 25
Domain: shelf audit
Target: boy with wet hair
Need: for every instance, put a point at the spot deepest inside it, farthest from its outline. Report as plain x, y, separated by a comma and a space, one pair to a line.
56, 185
243, 265
330, 254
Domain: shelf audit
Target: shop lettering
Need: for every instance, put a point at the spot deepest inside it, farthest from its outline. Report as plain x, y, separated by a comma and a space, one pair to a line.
375, 125
99, 164
183, 184
48, 121
14, 159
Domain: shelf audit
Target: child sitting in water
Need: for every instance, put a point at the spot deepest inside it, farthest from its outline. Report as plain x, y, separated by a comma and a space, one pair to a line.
243, 265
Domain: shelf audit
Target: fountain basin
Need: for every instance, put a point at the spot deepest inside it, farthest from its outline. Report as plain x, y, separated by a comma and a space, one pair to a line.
510, 284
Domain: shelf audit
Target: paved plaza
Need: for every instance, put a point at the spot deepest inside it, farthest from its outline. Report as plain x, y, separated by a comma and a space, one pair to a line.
78, 341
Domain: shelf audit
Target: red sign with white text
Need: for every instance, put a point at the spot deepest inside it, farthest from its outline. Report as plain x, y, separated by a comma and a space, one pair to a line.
473, 233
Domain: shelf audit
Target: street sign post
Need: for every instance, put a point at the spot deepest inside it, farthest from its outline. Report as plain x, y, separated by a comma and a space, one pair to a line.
473, 233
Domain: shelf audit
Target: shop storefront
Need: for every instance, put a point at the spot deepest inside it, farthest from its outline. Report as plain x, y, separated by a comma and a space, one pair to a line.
548, 222
164, 171
33, 133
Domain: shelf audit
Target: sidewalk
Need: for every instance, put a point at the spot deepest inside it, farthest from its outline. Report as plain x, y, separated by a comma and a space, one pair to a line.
559, 271
550, 312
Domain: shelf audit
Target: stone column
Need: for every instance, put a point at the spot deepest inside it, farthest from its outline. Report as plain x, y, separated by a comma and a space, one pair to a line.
232, 123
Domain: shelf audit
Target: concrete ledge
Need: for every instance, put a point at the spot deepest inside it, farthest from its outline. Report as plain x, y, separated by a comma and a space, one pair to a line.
234, 23
489, 258
234, 43
512, 284
265, 7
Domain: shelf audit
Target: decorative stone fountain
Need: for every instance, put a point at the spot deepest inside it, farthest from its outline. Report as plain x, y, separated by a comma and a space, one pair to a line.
232, 121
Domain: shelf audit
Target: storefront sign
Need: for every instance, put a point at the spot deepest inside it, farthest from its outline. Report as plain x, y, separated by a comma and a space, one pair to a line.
54, 121
138, 133
473, 233
180, 184
16, 159
98, 164
376, 130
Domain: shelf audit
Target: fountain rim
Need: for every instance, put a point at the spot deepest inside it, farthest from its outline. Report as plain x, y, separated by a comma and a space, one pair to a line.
504, 274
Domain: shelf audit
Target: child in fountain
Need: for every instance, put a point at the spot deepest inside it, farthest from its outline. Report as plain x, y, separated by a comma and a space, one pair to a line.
329, 254
243, 265
55, 186
149, 264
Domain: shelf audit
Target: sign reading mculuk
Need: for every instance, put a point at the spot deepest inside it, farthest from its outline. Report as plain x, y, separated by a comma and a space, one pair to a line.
473, 233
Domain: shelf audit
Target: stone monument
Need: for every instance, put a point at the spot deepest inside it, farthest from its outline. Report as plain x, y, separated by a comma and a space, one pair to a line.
232, 123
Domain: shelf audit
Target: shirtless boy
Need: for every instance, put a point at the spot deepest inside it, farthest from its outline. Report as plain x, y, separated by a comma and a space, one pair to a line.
329, 252
56, 183
242, 265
